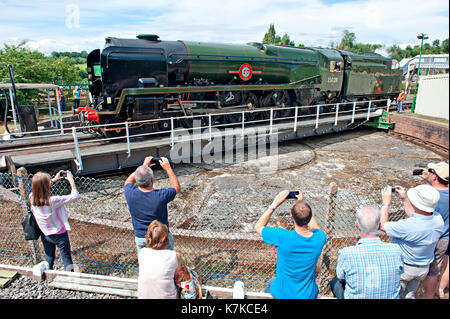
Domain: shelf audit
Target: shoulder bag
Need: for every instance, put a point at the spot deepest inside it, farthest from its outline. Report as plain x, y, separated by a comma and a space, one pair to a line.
30, 227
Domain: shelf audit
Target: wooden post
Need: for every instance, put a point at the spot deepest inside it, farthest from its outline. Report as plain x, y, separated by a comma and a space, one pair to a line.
22, 181
324, 260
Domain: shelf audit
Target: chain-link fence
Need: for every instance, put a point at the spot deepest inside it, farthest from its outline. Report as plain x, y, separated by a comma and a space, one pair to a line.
223, 247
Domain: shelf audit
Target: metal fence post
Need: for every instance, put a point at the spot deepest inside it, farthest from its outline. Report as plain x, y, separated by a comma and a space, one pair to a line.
353, 112
172, 133
317, 116
368, 110
78, 159
209, 128
295, 120
128, 139
271, 120
243, 123
50, 108
13, 109
324, 260
337, 114
59, 111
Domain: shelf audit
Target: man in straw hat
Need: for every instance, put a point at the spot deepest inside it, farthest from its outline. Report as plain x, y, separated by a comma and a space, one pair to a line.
416, 235
436, 175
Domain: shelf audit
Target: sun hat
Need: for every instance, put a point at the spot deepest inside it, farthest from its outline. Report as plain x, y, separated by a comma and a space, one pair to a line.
423, 197
441, 169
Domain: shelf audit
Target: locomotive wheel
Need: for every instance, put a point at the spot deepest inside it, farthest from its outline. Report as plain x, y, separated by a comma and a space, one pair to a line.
188, 122
281, 99
164, 125
251, 98
233, 118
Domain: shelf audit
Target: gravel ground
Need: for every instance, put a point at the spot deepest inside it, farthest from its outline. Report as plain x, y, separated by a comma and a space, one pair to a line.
26, 288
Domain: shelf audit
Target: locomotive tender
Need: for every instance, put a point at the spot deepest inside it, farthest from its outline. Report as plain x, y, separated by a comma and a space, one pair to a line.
146, 78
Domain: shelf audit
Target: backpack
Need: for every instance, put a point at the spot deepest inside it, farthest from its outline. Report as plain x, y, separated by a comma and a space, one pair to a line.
191, 289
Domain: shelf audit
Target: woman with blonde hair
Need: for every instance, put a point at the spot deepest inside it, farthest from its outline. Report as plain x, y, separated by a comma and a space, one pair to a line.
51, 216
157, 265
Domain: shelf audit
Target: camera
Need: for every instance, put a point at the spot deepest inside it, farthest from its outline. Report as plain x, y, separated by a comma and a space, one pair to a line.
155, 160
292, 195
63, 174
417, 171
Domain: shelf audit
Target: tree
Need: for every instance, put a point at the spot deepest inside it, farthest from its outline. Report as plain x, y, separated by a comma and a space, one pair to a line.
32, 66
285, 40
271, 37
347, 41
437, 47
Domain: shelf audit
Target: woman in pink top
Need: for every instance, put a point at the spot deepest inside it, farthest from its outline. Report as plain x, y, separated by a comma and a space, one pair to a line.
157, 265
51, 216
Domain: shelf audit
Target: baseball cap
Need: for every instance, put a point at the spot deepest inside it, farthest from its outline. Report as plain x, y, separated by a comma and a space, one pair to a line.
424, 197
441, 169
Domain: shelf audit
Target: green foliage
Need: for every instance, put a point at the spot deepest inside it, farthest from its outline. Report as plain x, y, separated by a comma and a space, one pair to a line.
348, 43
437, 47
32, 66
271, 37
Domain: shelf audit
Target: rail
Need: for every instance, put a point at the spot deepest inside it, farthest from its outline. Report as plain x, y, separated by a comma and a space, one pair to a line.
206, 122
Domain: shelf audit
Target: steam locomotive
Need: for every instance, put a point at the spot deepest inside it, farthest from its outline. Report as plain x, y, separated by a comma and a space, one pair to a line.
146, 78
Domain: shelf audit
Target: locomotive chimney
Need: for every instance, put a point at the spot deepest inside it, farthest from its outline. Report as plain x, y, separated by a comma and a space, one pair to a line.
149, 37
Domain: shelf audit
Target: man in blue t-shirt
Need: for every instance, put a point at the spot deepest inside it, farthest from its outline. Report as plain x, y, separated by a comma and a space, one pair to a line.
298, 250
147, 204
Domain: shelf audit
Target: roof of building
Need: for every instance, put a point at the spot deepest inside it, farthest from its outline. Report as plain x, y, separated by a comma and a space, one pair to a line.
428, 61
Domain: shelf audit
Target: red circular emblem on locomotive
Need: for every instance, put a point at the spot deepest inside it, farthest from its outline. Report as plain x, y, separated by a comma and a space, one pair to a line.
245, 72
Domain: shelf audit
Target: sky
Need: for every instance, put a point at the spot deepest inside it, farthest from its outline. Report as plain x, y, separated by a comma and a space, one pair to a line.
77, 25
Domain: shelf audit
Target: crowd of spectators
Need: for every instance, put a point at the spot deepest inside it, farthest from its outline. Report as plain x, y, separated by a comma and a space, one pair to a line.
372, 269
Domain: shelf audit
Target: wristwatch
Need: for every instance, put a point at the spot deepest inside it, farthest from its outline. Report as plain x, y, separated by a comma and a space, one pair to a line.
271, 207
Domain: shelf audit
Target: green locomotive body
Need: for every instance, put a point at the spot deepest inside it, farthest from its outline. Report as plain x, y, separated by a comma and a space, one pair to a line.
145, 78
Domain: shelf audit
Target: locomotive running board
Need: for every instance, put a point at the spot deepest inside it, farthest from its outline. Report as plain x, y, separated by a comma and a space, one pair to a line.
197, 89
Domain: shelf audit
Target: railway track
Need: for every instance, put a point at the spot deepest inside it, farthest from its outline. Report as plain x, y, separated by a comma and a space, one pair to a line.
41, 145
435, 148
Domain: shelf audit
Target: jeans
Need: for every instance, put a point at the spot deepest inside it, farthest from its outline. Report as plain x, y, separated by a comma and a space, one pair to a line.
399, 106
142, 243
337, 288
76, 103
62, 241
62, 105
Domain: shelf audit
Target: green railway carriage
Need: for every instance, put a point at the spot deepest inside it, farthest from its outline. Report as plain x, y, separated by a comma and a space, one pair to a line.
146, 78
369, 75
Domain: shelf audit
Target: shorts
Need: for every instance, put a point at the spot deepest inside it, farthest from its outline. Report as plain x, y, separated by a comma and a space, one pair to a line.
439, 254
410, 280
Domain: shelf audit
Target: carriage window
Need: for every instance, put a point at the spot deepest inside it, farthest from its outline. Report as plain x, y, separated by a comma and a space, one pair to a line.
335, 66
97, 70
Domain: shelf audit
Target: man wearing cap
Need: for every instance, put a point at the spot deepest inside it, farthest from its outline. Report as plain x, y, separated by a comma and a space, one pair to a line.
416, 235
436, 175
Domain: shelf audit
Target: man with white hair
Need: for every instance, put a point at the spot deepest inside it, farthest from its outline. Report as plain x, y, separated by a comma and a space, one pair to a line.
371, 269
416, 235
146, 203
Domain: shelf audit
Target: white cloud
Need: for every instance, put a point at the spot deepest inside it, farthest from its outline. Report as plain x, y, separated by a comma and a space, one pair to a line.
309, 22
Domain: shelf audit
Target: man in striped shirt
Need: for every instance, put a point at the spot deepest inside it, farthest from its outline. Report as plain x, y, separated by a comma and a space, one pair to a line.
371, 269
